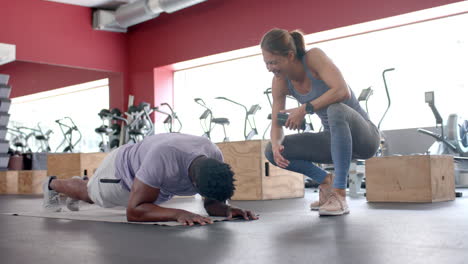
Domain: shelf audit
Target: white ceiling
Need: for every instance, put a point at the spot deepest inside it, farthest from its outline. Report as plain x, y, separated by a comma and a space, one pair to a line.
106, 4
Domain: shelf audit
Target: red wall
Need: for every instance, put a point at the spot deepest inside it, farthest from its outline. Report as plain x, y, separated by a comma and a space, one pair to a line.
57, 34
35, 77
217, 26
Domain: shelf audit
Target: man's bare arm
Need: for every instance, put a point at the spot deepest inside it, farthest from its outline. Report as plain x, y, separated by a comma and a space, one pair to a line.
141, 208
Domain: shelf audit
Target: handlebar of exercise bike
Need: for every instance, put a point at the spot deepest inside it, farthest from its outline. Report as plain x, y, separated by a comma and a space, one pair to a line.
120, 118
198, 100
388, 94
59, 121
234, 102
160, 111
437, 137
172, 115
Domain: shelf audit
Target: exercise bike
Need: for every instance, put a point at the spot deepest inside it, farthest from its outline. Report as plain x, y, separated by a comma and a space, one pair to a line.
307, 122
356, 179
68, 128
170, 119
207, 121
249, 118
138, 123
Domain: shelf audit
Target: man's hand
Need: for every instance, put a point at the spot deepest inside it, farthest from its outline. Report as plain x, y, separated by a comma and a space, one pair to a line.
246, 214
217, 208
188, 218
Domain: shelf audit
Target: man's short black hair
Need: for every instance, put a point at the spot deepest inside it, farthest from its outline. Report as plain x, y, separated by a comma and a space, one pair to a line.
214, 179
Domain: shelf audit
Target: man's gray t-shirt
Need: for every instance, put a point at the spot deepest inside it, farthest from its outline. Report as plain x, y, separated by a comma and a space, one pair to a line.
162, 161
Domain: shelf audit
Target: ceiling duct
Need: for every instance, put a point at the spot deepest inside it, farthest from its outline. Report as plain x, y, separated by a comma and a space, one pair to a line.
170, 6
136, 12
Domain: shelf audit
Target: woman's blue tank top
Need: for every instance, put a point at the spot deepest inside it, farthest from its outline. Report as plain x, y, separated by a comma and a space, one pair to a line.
319, 87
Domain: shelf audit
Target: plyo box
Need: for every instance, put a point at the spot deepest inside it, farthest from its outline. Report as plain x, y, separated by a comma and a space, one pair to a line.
256, 178
30, 181
416, 178
8, 182
22, 181
67, 165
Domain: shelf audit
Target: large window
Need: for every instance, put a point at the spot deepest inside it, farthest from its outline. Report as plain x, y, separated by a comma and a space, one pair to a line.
427, 56
79, 103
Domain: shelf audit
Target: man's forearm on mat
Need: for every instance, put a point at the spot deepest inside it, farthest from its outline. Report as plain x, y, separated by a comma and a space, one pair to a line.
151, 213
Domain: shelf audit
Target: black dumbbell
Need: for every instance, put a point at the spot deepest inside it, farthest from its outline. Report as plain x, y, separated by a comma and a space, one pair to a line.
282, 117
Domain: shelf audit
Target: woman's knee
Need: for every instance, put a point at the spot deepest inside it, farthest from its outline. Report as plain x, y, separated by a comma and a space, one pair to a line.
336, 110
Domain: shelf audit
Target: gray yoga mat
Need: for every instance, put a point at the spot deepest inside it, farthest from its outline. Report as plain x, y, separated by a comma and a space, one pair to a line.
95, 213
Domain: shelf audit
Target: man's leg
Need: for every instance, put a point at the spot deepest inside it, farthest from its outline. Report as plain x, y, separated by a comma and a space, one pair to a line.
74, 188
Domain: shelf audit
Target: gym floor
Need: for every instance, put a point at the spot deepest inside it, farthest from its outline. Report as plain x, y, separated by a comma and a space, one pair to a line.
287, 232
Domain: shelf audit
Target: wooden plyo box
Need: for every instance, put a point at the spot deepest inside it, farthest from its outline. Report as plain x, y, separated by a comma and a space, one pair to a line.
30, 181
417, 178
256, 178
22, 181
8, 182
67, 165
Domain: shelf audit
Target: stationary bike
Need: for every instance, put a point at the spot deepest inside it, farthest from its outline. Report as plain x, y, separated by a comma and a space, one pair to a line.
207, 121
249, 118
170, 119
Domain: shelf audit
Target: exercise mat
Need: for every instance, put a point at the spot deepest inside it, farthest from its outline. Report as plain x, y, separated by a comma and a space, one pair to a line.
96, 213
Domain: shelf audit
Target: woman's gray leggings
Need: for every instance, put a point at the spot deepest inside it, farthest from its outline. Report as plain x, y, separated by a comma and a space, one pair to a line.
350, 137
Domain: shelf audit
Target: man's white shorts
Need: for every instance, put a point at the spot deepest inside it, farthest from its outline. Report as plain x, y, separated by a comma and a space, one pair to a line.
107, 194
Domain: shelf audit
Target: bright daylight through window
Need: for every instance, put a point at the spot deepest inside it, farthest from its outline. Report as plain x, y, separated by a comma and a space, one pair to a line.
62, 112
427, 56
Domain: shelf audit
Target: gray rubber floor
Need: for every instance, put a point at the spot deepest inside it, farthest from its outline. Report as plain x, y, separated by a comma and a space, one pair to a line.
287, 232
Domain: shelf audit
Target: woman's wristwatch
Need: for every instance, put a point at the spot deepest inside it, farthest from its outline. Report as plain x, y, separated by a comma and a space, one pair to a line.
309, 108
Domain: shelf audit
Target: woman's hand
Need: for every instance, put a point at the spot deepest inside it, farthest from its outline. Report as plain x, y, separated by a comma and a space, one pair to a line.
296, 117
278, 157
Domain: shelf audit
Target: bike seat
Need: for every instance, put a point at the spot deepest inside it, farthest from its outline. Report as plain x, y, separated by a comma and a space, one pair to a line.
220, 120
103, 130
40, 137
135, 132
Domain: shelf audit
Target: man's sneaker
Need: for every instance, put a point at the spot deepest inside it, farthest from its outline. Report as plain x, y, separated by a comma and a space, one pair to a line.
51, 200
73, 204
324, 192
334, 206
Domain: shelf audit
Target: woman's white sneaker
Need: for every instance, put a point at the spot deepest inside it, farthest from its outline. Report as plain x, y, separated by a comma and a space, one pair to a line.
334, 206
